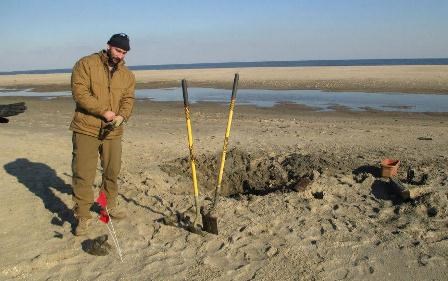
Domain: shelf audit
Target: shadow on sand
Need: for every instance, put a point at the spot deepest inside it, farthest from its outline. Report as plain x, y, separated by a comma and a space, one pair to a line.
368, 169
382, 190
40, 179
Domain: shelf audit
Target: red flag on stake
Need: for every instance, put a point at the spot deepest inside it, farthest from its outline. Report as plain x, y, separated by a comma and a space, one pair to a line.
102, 201
104, 217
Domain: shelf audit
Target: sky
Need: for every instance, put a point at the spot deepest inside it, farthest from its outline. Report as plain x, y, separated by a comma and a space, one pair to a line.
45, 34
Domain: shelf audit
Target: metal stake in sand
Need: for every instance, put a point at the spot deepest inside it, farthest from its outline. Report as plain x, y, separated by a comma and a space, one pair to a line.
114, 235
106, 218
190, 147
209, 220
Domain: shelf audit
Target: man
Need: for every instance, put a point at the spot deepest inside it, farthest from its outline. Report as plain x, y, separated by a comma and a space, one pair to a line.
103, 89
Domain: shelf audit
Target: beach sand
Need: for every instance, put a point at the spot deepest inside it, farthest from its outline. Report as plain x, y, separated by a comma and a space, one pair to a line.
345, 225
407, 79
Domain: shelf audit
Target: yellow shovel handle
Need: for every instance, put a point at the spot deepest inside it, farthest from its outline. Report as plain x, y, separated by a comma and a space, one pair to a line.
226, 137
190, 147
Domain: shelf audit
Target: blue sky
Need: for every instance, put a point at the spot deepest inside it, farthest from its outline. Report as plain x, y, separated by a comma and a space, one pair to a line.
44, 34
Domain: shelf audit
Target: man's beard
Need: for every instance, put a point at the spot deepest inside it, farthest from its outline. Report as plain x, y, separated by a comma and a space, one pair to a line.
113, 61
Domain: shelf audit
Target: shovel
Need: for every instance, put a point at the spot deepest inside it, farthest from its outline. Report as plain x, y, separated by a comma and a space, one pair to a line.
192, 227
209, 218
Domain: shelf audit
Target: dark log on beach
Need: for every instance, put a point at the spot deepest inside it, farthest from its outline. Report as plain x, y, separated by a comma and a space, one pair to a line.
7, 110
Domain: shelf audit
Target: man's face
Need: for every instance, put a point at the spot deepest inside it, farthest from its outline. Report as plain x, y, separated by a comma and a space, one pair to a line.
116, 54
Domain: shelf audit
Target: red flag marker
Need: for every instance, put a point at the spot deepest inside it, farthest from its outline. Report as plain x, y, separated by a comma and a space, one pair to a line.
102, 201
104, 217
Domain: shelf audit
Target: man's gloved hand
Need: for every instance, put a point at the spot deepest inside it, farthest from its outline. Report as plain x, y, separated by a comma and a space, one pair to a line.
118, 120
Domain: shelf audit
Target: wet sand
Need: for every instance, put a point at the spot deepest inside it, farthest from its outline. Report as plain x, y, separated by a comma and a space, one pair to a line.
345, 225
405, 79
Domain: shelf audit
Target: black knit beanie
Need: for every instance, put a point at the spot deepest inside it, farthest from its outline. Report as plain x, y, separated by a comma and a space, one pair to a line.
120, 40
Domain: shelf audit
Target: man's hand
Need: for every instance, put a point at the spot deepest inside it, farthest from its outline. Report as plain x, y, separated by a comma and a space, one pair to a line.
118, 120
109, 115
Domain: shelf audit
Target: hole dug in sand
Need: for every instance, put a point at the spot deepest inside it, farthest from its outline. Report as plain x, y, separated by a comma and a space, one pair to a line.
248, 172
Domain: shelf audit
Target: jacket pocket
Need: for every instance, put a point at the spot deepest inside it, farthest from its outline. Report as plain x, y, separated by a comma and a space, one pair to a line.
98, 89
101, 92
116, 94
85, 121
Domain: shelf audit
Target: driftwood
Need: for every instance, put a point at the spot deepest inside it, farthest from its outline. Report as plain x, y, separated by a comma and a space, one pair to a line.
8, 110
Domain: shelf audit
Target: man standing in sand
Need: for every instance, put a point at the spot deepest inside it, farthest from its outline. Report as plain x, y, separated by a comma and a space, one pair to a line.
103, 89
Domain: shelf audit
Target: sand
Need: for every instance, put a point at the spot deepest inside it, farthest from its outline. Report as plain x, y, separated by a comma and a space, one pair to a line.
345, 225
409, 79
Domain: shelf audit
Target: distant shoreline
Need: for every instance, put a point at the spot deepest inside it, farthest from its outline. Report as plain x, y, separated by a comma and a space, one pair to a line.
300, 63
418, 79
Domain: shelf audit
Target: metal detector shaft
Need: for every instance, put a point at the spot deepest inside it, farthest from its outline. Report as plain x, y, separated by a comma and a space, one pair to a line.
190, 147
226, 138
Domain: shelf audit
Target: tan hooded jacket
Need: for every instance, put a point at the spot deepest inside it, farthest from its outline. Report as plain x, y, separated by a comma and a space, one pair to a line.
96, 90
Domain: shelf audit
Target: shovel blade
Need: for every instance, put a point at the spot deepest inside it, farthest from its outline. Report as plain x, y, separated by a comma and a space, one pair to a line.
196, 229
210, 223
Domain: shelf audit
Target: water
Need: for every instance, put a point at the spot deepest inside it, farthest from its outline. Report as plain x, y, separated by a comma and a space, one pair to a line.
356, 101
27, 93
303, 63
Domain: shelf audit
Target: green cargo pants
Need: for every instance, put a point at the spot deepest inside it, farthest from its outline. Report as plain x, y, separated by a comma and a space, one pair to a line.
84, 163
